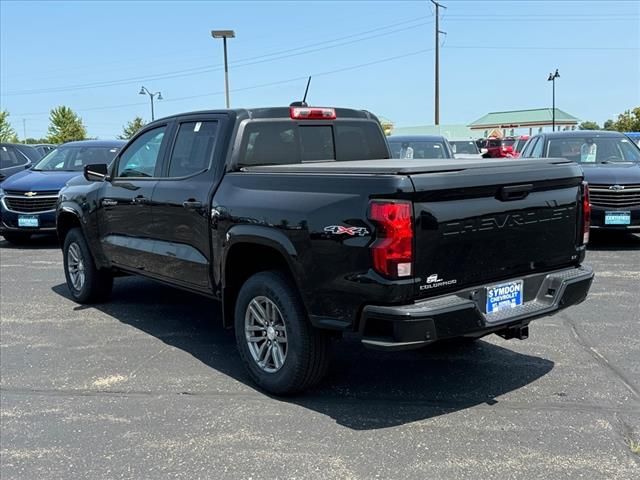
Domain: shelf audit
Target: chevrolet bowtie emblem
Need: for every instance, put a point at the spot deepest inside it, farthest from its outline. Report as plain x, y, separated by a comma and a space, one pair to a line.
616, 187
30, 194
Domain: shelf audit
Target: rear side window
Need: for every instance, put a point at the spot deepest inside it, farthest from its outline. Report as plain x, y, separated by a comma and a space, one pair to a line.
286, 142
537, 149
193, 148
11, 157
526, 152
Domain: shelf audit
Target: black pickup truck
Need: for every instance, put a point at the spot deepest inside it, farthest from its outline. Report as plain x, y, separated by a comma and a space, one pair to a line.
298, 220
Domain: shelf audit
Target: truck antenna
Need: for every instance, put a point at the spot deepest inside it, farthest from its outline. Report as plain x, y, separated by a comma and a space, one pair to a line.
303, 103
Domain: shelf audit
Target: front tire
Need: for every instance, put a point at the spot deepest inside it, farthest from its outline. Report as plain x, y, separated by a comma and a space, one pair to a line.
283, 353
86, 283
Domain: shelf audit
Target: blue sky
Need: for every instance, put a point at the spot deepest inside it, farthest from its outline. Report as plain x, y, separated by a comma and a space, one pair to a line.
94, 56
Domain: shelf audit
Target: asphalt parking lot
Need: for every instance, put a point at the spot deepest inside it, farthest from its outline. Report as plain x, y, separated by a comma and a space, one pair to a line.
151, 386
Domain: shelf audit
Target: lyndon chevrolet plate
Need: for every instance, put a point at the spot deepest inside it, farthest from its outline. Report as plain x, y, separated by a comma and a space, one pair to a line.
504, 296
28, 221
617, 218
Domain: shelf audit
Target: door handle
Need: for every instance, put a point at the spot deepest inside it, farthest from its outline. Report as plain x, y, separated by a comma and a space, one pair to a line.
140, 200
192, 204
515, 192
107, 202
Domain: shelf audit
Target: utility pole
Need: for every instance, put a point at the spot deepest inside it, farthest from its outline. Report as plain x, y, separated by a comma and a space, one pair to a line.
24, 130
437, 82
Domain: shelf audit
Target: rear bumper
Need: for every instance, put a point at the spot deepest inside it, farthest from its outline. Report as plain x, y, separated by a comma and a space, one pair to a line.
461, 313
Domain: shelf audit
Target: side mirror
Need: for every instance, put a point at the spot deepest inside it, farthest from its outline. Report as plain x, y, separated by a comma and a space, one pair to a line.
97, 172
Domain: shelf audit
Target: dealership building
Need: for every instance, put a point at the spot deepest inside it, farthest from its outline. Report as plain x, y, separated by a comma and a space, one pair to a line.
498, 124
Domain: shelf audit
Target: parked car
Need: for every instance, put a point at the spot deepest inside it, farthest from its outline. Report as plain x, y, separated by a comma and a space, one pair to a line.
611, 164
465, 149
519, 145
419, 147
12, 160
44, 148
301, 224
28, 198
33, 154
499, 147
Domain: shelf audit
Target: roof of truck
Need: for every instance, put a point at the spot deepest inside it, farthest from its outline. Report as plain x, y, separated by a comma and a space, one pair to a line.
270, 112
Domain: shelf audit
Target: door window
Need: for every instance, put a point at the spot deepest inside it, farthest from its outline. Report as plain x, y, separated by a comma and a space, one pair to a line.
141, 157
193, 148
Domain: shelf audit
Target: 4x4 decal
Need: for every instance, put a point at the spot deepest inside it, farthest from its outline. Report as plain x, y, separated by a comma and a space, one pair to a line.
353, 231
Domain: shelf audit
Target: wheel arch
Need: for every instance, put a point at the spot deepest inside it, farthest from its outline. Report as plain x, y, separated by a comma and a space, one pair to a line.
251, 250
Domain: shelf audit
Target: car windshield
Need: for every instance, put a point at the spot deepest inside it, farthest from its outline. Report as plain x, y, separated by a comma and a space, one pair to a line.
73, 159
593, 149
419, 149
508, 142
464, 146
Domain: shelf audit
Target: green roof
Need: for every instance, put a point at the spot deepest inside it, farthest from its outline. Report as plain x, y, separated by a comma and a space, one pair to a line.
451, 132
523, 118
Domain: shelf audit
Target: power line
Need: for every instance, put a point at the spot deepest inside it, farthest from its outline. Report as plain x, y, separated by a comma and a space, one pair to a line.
252, 87
238, 63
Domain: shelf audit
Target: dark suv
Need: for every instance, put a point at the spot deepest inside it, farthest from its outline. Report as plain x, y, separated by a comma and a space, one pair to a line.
611, 164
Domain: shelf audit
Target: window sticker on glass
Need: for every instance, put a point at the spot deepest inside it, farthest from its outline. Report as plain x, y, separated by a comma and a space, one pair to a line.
588, 151
197, 127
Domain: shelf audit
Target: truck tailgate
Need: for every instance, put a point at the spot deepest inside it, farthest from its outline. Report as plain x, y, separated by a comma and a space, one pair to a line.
484, 224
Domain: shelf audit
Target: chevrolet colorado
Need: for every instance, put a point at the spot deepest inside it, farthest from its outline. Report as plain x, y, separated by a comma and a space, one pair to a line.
301, 224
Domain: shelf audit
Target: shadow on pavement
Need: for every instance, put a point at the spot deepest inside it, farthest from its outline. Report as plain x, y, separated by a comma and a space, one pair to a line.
613, 240
36, 242
364, 389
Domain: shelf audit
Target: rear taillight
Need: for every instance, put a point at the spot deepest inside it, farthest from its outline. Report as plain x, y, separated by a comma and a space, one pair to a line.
393, 248
586, 213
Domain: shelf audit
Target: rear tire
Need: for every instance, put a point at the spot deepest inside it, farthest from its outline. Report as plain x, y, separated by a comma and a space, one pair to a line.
86, 283
270, 317
16, 238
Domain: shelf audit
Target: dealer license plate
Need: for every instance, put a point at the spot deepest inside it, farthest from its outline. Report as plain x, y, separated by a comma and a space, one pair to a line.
617, 218
28, 221
504, 296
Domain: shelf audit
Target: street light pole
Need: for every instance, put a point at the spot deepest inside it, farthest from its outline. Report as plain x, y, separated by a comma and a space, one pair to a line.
552, 79
224, 34
144, 91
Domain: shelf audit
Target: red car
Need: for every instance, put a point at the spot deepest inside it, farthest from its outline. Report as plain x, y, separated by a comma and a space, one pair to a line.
519, 145
499, 147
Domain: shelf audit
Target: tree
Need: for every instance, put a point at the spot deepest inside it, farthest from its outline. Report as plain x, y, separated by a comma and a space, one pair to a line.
65, 126
7, 133
589, 126
132, 128
608, 125
628, 121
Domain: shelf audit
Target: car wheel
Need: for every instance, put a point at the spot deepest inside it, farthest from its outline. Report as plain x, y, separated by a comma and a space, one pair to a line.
17, 238
282, 351
86, 283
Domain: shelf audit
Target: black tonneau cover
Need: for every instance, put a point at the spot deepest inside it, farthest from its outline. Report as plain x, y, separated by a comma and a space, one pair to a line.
394, 166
